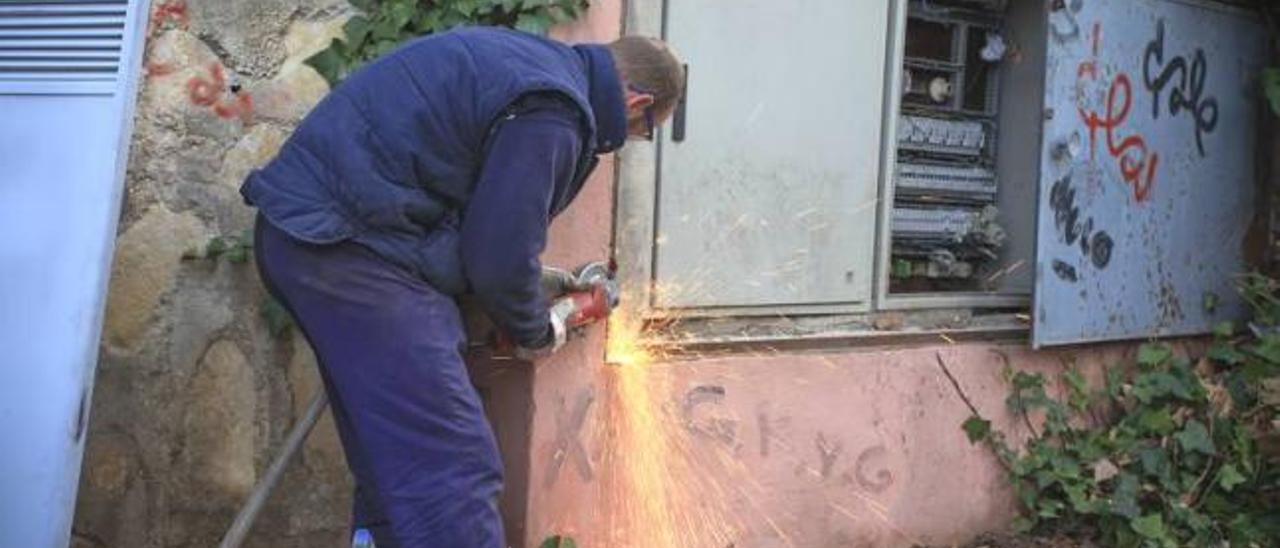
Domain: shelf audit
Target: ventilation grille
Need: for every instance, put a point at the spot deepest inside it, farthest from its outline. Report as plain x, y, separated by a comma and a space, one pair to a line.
57, 41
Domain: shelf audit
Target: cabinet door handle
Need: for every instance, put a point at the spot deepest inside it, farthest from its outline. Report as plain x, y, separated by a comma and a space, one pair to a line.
682, 110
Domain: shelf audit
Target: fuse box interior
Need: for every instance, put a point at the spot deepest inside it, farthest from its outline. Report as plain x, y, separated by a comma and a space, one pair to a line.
962, 219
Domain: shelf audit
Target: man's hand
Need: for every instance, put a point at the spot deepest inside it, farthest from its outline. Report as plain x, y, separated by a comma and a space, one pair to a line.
559, 315
577, 300
557, 282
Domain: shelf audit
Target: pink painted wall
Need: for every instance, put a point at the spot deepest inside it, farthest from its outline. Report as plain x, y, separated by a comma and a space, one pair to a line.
847, 448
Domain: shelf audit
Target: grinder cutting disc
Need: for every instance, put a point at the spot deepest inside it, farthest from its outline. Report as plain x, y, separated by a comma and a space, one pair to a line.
600, 273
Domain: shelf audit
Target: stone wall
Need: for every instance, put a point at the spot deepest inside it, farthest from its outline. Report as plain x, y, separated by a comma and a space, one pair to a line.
193, 394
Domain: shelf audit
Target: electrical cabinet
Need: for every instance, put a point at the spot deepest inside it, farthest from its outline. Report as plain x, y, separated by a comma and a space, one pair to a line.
1090, 163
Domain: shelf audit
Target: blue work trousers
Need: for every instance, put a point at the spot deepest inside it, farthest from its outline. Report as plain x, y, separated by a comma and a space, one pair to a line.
389, 346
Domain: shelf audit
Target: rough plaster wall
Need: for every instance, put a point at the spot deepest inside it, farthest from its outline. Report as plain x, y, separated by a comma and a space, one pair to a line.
193, 396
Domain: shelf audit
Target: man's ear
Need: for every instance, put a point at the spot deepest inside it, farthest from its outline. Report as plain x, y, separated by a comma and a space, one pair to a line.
638, 101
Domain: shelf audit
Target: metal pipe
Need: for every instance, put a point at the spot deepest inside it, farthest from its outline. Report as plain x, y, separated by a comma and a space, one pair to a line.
258, 498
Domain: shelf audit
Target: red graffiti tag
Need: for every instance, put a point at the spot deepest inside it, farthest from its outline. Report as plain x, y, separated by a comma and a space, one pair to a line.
1137, 163
169, 13
174, 11
210, 92
156, 69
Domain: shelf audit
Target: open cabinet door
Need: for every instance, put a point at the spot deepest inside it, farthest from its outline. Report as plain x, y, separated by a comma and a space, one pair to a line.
1147, 178
68, 71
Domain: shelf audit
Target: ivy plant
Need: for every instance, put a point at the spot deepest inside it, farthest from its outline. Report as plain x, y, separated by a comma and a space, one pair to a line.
1271, 88
382, 25
238, 249
558, 541
1168, 451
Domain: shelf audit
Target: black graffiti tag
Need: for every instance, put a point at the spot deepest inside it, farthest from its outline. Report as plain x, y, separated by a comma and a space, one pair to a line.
1094, 245
1187, 93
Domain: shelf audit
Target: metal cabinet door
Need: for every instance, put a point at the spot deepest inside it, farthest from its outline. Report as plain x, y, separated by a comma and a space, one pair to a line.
1147, 177
769, 198
67, 72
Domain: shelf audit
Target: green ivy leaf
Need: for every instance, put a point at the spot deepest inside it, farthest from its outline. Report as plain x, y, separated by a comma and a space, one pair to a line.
1149, 387
1124, 501
330, 62
1065, 467
1154, 461
1150, 526
1115, 383
536, 23
277, 317
465, 7
1209, 301
1050, 509
428, 22
977, 429
1023, 380
384, 47
1229, 477
1022, 525
356, 30
216, 247
385, 29
1271, 86
1269, 349
1079, 500
1194, 437
1225, 352
1157, 421
238, 254
400, 12
1154, 354
1079, 397
558, 541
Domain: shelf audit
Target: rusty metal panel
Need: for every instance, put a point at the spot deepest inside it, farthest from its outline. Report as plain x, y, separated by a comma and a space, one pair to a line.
1147, 173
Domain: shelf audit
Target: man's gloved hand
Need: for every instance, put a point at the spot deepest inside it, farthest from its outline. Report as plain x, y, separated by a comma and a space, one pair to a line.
577, 300
559, 315
556, 282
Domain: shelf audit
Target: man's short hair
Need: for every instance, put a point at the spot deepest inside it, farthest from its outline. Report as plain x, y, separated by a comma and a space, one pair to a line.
649, 66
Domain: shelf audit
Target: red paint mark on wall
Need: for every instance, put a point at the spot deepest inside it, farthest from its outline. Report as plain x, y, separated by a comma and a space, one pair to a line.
171, 12
211, 91
157, 69
1137, 163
